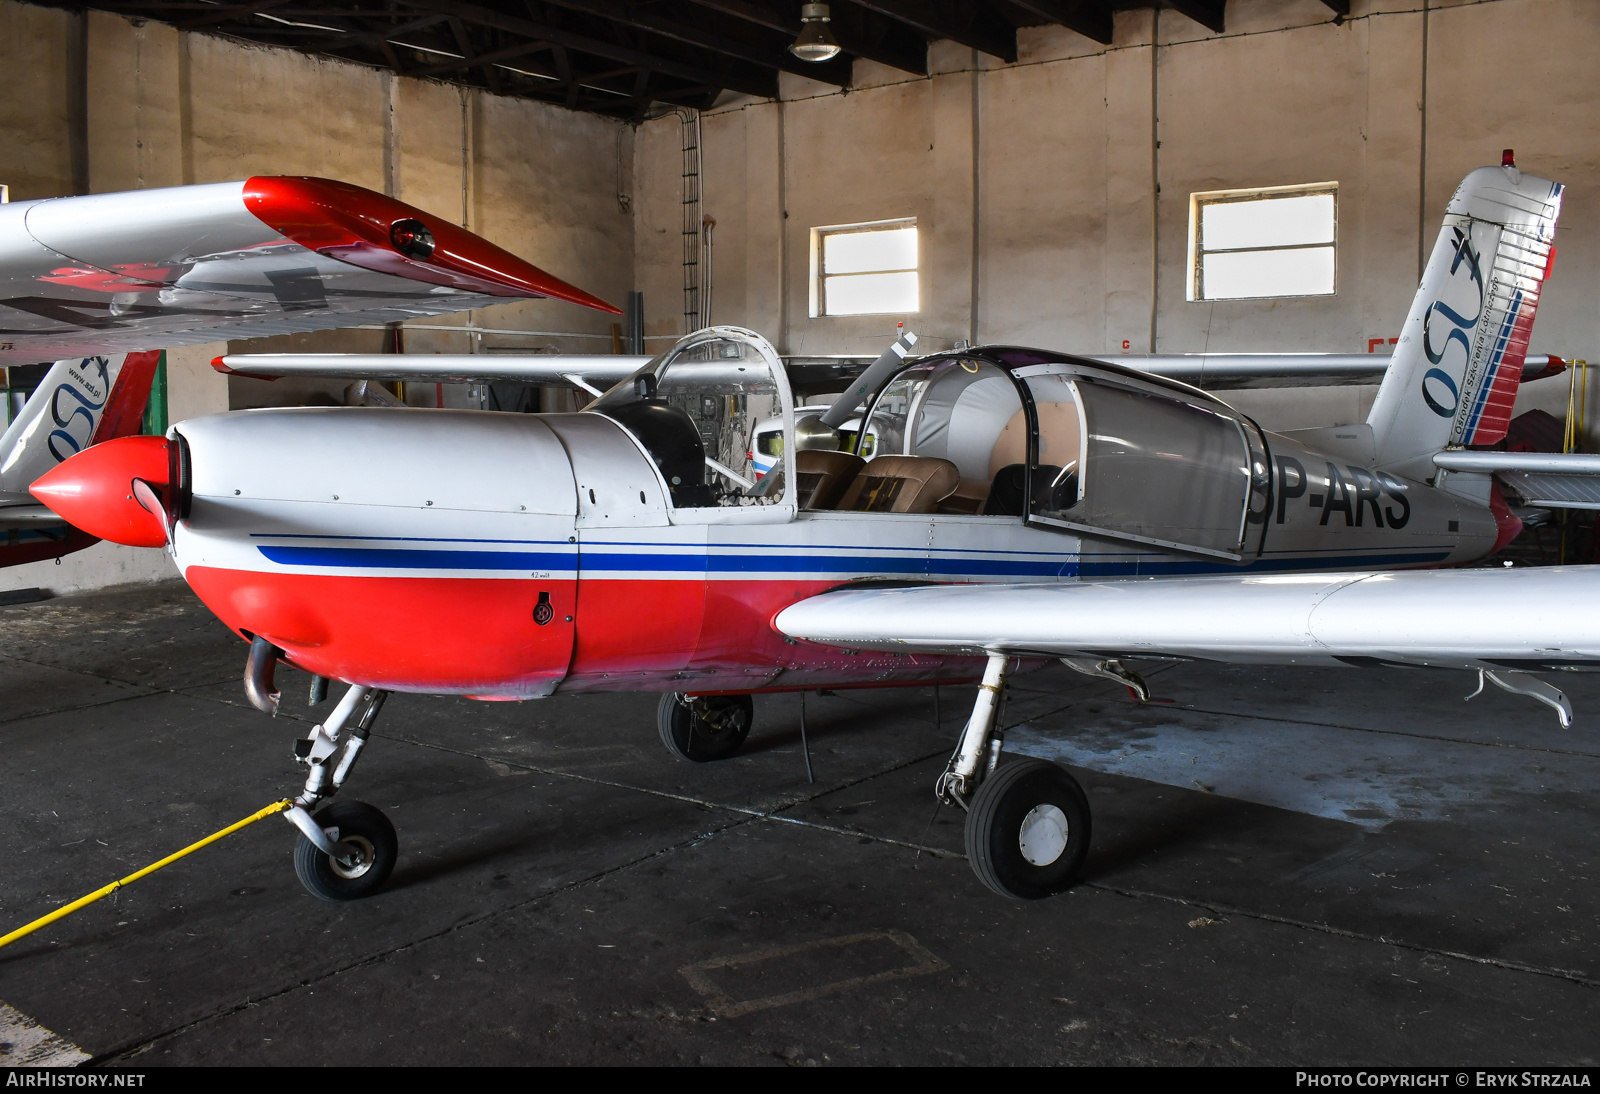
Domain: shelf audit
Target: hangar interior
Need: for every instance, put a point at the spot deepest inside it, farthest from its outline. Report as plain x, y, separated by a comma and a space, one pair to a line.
1422, 870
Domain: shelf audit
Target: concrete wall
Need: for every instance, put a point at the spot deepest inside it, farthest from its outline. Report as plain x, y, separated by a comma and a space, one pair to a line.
1053, 194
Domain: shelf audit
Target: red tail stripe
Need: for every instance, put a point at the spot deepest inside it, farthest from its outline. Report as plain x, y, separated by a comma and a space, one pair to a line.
124, 412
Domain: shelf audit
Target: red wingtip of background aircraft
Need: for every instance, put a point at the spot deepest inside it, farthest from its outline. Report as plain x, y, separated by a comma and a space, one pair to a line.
378, 233
94, 490
221, 366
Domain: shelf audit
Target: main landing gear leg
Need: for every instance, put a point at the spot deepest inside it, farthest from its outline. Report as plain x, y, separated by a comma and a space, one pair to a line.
348, 849
1027, 830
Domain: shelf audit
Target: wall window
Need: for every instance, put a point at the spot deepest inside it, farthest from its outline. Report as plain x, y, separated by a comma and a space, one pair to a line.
864, 269
1279, 241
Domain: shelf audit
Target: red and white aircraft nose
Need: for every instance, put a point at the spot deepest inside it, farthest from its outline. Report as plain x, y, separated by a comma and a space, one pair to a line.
99, 489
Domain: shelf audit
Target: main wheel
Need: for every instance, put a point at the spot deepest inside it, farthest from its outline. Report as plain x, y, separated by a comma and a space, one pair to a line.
366, 828
1028, 830
712, 728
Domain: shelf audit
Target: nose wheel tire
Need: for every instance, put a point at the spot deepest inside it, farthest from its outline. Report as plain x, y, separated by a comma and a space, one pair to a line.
373, 845
708, 727
1028, 830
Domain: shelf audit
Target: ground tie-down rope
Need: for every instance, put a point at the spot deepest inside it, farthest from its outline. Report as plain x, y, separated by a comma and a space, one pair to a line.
82, 902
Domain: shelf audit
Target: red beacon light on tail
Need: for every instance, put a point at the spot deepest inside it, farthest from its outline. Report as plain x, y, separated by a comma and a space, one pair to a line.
1508, 158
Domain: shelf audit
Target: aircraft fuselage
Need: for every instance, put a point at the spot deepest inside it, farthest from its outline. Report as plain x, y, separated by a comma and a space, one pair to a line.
514, 556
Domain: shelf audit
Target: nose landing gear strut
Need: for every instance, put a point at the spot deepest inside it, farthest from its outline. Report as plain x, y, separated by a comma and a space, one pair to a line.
1027, 829
348, 849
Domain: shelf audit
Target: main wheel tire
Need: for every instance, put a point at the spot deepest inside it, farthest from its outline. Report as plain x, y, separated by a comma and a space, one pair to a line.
362, 825
714, 735
1028, 830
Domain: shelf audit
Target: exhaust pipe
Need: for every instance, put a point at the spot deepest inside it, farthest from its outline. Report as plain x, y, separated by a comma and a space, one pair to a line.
258, 672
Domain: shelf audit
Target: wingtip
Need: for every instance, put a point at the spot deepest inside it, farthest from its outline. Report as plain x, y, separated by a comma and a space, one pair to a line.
360, 226
221, 365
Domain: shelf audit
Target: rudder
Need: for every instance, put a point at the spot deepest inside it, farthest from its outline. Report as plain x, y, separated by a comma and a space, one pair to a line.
1454, 374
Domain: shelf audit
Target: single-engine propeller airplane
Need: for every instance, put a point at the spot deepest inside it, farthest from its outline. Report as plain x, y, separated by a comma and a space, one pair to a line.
1020, 505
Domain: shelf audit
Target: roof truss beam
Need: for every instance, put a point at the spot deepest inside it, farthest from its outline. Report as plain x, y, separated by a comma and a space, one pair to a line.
1208, 13
871, 43
758, 48
1090, 18
737, 79
958, 20
224, 14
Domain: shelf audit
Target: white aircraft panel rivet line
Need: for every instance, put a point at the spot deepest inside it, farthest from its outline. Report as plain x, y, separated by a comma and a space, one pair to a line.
25, 1043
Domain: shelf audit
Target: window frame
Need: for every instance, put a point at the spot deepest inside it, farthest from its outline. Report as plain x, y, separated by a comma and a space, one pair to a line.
819, 273
1198, 201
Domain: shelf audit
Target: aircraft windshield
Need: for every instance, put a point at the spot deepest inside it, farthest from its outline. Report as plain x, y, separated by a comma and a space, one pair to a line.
695, 411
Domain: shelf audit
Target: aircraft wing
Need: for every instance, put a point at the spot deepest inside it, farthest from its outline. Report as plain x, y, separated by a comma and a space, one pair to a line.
1213, 371
1560, 480
1494, 619
594, 369
1228, 371
107, 273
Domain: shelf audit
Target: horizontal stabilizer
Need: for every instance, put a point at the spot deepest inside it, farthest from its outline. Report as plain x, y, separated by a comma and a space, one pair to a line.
1517, 619
1226, 371
34, 517
1560, 480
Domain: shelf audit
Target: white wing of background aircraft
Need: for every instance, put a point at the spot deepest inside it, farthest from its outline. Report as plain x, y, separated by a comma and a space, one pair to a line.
271, 255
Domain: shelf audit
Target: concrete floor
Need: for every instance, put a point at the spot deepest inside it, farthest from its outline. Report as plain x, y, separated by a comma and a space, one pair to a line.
1289, 867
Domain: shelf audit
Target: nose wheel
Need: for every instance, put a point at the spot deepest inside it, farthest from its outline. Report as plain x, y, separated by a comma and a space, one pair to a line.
704, 727
365, 847
347, 850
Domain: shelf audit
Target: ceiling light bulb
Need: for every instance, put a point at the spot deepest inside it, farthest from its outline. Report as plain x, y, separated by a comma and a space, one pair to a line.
816, 42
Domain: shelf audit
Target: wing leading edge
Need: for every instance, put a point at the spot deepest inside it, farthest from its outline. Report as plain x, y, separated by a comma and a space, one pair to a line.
1499, 619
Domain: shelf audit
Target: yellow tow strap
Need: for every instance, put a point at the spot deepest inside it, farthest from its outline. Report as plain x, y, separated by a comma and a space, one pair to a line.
68, 909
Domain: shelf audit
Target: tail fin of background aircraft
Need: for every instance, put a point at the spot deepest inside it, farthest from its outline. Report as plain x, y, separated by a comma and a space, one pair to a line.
80, 401
1454, 374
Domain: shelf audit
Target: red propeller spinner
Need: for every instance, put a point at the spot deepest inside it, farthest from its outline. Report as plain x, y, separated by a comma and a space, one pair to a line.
99, 490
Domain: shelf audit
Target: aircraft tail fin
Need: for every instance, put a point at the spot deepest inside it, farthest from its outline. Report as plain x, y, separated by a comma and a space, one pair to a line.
81, 401
1453, 377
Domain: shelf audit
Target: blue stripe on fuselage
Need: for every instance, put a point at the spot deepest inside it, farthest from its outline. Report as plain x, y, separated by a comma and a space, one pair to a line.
600, 562
396, 558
